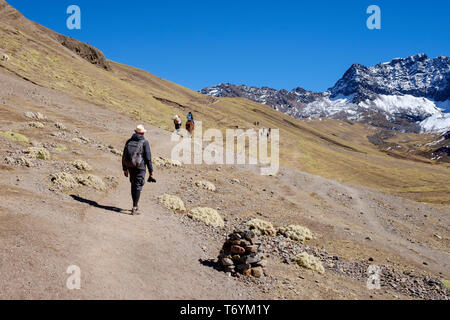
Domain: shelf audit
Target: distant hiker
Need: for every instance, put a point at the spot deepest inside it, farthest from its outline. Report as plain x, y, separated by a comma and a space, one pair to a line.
136, 157
269, 133
190, 117
190, 124
262, 132
177, 121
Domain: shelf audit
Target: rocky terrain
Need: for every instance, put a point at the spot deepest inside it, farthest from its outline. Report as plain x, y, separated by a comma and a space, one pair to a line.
406, 94
85, 51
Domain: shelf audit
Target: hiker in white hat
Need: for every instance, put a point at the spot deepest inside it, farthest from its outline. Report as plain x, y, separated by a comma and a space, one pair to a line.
177, 121
136, 158
140, 129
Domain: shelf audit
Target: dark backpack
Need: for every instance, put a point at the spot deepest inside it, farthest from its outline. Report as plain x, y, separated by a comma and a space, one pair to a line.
134, 153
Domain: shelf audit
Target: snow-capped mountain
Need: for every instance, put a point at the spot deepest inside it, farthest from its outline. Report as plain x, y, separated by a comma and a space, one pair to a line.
409, 94
418, 76
284, 101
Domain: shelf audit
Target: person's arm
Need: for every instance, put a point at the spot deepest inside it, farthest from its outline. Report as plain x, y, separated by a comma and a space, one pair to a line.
148, 157
124, 167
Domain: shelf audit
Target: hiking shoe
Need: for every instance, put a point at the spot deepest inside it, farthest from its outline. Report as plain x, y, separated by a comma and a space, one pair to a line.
135, 211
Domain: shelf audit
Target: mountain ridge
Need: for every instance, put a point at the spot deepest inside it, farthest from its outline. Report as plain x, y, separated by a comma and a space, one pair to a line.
413, 89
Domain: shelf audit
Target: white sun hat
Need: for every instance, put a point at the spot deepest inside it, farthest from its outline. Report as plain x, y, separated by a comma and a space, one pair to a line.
140, 129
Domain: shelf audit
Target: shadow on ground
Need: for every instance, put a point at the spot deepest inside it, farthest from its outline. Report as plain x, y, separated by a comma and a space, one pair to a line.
96, 205
211, 263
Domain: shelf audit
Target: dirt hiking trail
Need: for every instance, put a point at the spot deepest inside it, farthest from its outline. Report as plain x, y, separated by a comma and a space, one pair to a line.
150, 256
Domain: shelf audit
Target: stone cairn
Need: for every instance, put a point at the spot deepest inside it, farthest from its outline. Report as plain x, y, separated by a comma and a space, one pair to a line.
243, 254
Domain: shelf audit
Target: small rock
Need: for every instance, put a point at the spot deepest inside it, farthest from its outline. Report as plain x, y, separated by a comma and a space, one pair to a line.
236, 258
247, 272
252, 248
60, 126
242, 267
257, 272
262, 263
229, 269
254, 259
237, 249
248, 235
227, 262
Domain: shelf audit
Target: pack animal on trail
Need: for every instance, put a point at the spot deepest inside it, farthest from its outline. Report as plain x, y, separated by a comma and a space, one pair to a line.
190, 127
190, 124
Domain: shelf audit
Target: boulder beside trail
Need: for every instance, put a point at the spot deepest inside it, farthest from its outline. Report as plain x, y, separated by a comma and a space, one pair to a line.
242, 253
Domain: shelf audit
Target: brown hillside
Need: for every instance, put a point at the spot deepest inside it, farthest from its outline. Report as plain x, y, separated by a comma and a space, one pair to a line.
330, 148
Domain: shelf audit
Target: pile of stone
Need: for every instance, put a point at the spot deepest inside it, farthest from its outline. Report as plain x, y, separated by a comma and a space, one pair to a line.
242, 253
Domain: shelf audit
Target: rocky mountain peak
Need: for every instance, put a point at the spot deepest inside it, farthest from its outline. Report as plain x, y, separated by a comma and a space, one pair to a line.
404, 92
416, 75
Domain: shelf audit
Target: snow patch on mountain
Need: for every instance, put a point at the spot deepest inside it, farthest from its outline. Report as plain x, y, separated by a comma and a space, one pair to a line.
407, 105
391, 106
438, 123
328, 107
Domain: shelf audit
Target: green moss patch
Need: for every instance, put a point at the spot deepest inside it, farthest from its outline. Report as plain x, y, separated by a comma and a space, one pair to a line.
14, 136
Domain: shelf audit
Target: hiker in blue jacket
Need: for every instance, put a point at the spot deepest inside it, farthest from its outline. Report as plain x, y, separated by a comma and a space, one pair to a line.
190, 117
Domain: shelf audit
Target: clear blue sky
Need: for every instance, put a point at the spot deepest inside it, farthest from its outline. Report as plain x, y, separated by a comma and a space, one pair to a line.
280, 44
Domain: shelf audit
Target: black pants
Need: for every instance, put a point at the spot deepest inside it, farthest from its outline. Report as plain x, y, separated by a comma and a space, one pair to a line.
137, 179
